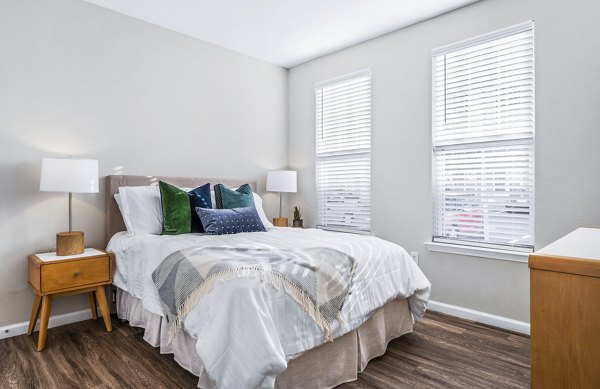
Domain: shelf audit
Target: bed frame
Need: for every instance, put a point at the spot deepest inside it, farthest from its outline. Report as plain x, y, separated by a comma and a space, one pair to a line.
326, 366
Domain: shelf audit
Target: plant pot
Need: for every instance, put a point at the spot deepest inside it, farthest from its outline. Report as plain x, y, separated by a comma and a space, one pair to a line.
297, 223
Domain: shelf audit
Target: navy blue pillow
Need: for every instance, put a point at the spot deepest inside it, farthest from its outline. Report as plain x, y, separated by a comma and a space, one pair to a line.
230, 221
199, 198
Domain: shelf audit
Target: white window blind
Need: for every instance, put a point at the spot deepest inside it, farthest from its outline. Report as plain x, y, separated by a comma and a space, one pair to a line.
483, 140
343, 153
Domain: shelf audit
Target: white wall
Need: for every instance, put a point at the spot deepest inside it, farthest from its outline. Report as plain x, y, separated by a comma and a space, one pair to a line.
567, 137
78, 79
82, 80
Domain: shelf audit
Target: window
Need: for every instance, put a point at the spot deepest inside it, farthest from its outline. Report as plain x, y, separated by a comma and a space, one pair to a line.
343, 153
483, 141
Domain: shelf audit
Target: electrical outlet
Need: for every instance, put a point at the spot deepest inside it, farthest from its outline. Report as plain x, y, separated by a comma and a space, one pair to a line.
415, 256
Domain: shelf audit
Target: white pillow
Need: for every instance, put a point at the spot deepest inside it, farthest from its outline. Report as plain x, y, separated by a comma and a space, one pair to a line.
141, 209
261, 212
117, 197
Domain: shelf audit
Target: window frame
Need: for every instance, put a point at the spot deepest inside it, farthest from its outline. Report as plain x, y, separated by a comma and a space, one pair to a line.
317, 87
469, 247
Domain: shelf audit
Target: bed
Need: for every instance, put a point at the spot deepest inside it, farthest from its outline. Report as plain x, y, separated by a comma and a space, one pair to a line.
237, 335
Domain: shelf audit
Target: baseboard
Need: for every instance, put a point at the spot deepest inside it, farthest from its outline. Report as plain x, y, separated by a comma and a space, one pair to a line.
480, 317
55, 321
453, 310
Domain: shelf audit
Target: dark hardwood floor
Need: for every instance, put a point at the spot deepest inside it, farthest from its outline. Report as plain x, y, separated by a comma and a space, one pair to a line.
448, 352
442, 352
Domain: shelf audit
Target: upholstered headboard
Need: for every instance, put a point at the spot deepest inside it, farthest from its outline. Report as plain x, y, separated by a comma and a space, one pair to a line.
114, 220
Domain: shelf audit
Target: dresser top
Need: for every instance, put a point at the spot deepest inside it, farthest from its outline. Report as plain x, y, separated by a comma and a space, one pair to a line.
582, 243
575, 253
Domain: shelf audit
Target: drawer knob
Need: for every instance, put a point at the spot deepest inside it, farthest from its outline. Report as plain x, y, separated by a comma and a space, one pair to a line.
77, 274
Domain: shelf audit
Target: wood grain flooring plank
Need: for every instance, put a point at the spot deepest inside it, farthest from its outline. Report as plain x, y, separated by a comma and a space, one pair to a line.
448, 356
455, 353
443, 352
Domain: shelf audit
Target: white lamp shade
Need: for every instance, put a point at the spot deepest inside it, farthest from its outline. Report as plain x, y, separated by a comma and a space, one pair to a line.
69, 175
281, 181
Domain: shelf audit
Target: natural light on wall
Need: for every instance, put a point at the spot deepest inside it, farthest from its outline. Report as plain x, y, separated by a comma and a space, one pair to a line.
483, 140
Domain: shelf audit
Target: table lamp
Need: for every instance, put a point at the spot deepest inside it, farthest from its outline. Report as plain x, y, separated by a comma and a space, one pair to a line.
71, 176
281, 181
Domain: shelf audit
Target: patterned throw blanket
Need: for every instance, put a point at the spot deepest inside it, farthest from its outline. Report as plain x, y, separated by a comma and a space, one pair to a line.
318, 279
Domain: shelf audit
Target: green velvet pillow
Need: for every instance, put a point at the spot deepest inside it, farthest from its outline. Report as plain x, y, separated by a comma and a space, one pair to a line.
226, 198
176, 209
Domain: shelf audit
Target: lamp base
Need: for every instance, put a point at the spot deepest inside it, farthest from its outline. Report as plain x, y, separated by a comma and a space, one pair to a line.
280, 221
69, 243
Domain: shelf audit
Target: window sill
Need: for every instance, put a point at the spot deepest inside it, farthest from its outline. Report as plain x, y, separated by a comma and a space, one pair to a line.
346, 231
504, 255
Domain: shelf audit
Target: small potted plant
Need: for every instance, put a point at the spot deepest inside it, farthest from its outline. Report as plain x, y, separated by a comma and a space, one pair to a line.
297, 222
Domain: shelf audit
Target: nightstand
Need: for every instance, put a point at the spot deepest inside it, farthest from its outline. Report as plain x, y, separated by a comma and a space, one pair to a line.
53, 276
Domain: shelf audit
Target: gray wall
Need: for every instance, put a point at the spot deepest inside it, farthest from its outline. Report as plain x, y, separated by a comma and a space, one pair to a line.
567, 137
78, 79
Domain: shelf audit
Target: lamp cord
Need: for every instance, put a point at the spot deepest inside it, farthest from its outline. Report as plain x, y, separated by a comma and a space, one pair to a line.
70, 218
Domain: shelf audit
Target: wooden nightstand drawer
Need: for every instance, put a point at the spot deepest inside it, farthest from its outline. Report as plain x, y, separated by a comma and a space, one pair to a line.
72, 274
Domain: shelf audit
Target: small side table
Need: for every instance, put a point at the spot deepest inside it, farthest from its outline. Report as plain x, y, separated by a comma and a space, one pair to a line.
53, 276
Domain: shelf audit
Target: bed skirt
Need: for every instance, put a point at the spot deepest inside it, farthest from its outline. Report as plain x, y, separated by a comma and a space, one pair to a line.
326, 366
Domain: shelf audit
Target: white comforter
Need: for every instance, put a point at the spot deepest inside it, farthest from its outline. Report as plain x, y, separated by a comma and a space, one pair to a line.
246, 330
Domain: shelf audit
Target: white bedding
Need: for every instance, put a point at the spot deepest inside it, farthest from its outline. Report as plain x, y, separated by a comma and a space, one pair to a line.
246, 330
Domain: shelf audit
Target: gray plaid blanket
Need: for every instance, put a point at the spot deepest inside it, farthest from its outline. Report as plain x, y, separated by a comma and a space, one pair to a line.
318, 279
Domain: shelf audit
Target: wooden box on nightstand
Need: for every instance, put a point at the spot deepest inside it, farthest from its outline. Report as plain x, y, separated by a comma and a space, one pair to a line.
54, 276
280, 222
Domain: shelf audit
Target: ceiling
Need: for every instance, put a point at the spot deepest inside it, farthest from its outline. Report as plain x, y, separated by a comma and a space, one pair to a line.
283, 32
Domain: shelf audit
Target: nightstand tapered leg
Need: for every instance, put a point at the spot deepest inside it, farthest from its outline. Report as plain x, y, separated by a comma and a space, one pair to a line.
92, 300
46, 307
35, 312
101, 296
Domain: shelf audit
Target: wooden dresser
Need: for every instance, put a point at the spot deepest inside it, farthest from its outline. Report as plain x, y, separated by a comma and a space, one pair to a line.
565, 312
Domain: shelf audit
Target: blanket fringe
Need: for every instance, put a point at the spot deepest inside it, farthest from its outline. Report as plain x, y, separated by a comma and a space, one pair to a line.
274, 279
